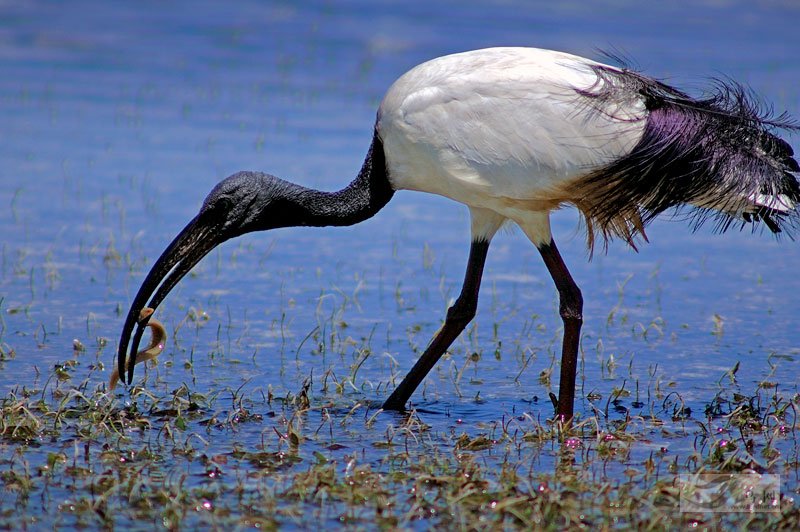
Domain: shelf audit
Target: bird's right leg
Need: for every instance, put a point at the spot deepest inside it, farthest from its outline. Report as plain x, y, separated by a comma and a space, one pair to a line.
458, 316
536, 226
571, 310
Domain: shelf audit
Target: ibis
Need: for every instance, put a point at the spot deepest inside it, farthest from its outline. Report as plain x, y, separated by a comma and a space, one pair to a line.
513, 134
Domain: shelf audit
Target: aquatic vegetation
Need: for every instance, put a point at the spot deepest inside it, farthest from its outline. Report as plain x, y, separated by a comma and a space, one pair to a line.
184, 459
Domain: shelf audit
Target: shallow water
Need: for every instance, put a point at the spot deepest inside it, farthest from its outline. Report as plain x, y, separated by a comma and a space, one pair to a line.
116, 122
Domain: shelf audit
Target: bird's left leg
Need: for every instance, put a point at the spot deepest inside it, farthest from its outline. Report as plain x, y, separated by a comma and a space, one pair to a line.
484, 225
458, 316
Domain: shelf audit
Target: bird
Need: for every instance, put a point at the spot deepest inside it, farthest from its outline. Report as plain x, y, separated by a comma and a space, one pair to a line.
514, 133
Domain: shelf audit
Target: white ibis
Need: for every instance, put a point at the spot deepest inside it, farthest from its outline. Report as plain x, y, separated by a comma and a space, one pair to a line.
514, 133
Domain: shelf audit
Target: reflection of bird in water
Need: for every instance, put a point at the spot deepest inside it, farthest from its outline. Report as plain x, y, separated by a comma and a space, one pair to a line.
159, 335
514, 133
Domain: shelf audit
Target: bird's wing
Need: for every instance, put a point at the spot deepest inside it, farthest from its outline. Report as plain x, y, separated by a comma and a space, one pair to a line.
503, 123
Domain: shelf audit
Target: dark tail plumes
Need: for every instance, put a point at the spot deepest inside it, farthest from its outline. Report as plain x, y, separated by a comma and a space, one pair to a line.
718, 154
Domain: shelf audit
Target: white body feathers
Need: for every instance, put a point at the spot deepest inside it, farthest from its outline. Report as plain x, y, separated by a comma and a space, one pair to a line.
503, 131
514, 132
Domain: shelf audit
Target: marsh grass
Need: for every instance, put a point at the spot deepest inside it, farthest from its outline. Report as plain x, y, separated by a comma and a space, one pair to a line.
71, 455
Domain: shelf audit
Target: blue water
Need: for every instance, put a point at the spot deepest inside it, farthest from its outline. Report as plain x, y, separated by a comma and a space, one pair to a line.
116, 119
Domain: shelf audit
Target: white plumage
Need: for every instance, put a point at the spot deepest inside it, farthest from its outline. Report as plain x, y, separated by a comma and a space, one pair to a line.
502, 130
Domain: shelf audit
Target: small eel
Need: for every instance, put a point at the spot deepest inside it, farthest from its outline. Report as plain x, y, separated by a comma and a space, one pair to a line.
157, 339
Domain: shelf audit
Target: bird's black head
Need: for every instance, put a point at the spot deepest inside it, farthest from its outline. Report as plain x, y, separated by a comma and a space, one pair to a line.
241, 203
246, 202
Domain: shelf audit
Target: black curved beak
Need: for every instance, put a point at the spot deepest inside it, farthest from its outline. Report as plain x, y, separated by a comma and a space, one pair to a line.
196, 240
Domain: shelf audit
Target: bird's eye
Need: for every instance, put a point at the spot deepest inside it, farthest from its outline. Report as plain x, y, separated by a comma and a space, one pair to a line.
223, 203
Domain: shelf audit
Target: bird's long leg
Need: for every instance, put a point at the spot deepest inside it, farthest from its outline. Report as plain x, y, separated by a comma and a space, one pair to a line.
571, 310
458, 316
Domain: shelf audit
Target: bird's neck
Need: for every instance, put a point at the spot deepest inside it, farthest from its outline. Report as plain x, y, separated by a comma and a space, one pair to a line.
361, 199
